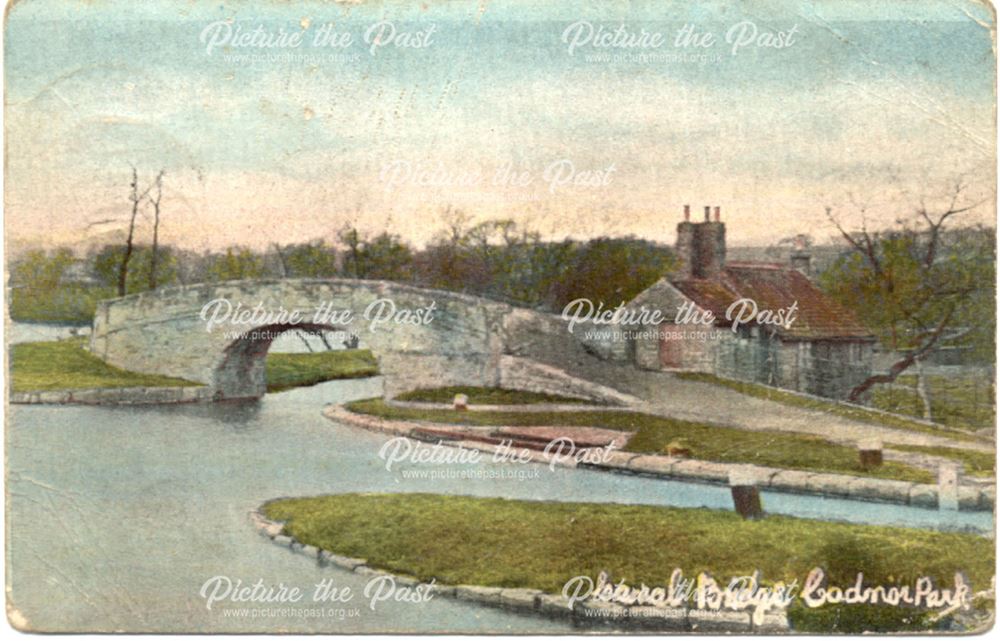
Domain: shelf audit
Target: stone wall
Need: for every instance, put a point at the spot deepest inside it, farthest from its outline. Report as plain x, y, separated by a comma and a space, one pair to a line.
606, 342
645, 339
526, 374
115, 396
749, 355
823, 368
832, 368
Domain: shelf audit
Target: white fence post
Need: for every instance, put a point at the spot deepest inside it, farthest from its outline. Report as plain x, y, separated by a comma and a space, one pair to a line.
948, 486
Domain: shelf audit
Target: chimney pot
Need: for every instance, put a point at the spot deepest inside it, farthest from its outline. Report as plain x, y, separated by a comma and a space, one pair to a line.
707, 213
718, 215
687, 212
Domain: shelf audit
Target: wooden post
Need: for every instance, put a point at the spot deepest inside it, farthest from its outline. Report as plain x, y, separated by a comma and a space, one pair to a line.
746, 496
461, 402
870, 454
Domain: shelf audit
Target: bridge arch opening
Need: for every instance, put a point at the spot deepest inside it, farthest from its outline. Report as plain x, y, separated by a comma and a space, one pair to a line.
242, 372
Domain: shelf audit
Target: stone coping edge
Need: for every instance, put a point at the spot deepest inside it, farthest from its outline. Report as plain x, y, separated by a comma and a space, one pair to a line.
526, 407
970, 498
532, 601
115, 396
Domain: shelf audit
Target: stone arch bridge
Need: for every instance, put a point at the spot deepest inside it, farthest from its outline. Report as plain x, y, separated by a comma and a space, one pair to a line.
219, 334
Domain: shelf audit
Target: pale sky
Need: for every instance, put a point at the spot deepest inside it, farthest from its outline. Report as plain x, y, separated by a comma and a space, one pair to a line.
871, 100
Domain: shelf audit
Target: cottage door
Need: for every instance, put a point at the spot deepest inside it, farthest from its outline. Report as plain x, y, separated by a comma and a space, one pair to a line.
671, 346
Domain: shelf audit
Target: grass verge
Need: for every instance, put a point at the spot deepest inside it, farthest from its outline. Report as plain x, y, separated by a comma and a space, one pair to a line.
285, 371
541, 545
489, 396
961, 401
65, 364
62, 365
981, 464
830, 407
707, 442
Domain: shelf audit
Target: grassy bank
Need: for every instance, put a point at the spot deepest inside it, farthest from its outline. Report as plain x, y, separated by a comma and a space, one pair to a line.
961, 401
830, 407
541, 545
974, 463
488, 396
65, 364
653, 433
285, 371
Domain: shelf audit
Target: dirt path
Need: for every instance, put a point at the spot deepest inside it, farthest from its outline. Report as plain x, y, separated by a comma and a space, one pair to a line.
666, 395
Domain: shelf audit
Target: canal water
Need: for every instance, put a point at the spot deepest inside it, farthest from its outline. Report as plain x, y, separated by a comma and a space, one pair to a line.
118, 516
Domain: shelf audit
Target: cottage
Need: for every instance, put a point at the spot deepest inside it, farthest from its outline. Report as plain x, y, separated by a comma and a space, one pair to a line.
799, 338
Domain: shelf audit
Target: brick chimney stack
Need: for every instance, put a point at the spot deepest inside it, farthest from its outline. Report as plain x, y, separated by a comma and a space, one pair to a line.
701, 247
801, 258
685, 243
710, 246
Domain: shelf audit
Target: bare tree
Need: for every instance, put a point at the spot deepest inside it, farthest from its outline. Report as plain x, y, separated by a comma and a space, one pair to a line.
282, 263
135, 198
156, 228
906, 289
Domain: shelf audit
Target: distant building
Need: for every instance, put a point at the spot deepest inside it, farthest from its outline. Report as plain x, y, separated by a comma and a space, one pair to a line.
825, 350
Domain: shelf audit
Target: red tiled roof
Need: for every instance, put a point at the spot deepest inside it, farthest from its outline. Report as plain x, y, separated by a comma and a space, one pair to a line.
775, 287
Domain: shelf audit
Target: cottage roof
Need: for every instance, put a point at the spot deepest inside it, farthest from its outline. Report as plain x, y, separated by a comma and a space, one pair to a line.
775, 287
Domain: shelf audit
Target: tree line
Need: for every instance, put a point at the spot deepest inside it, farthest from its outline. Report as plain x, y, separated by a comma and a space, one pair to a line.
921, 285
497, 259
